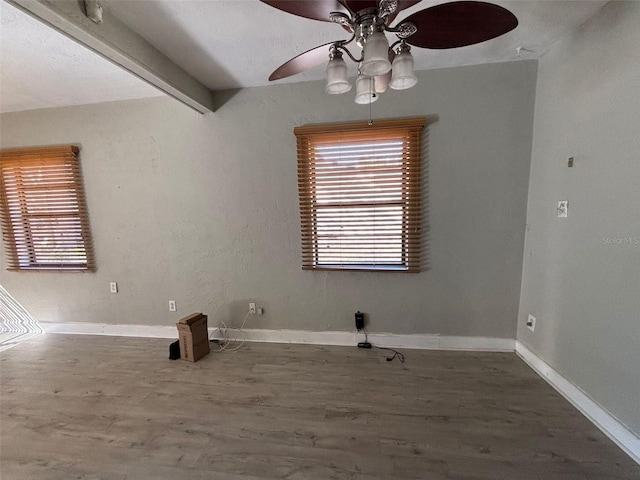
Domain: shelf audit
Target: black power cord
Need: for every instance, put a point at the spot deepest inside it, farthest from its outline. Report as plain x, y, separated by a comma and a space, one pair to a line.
396, 353
366, 344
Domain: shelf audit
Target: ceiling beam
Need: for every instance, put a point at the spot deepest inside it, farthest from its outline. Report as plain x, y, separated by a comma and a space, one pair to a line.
116, 42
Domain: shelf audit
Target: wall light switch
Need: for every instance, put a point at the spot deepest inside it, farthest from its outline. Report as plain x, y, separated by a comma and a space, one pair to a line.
113, 287
563, 208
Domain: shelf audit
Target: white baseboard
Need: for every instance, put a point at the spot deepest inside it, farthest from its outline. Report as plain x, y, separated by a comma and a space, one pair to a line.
151, 331
601, 418
418, 341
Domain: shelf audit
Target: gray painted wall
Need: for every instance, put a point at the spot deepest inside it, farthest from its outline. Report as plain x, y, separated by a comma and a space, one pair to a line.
581, 275
203, 209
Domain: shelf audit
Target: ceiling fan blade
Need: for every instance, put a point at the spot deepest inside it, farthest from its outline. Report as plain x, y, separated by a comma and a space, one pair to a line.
302, 62
458, 24
313, 9
357, 5
402, 5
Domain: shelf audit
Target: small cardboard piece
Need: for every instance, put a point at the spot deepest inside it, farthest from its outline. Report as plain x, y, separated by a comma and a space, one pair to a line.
193, 336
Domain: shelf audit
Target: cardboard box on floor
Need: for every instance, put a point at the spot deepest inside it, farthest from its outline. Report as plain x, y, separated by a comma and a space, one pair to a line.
194, 337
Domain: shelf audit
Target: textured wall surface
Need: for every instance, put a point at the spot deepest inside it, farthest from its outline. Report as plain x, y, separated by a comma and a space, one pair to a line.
203, 209
582, 273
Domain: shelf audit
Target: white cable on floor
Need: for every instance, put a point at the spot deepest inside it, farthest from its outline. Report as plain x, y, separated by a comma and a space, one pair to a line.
226, 340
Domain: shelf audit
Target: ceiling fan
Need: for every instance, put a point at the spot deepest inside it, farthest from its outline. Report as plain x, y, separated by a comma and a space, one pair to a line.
448, 25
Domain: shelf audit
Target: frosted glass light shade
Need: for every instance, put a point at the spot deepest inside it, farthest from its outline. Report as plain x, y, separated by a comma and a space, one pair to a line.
403, 75
381, 83
337, 76
365, 90
376, 55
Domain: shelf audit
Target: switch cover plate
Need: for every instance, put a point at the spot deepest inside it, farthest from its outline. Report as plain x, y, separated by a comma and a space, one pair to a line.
563, 208
531, 323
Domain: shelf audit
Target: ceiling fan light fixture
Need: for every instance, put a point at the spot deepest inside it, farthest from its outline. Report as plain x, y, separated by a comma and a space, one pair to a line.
376, 55
381, 83
337, 81
452, 24
403, 75
365, 90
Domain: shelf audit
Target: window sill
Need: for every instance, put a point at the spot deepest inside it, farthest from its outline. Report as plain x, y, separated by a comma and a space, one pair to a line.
364, 268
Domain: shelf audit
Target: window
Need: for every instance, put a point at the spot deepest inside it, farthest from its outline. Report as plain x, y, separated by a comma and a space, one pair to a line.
359, 189
44, 217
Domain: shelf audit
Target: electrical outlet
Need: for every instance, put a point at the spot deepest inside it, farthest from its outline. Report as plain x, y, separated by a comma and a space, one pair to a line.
172, 305
531, 323
252, 308
113, 287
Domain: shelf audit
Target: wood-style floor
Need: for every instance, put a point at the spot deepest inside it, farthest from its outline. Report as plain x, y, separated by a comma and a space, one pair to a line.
83, 407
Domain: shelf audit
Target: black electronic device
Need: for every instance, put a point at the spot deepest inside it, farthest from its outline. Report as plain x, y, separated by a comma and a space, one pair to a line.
174, 350
359, 320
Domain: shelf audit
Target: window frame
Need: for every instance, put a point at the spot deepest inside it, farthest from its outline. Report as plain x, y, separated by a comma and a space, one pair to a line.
58, 205
311, 139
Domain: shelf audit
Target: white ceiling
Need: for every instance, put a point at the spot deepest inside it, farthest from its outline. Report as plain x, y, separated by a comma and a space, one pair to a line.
228, 44
42, 68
